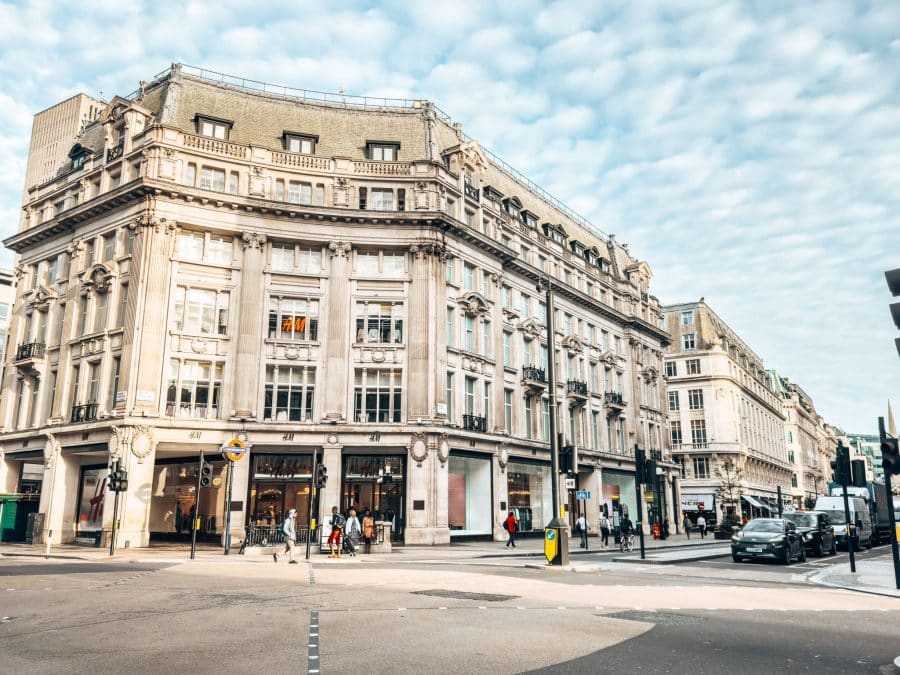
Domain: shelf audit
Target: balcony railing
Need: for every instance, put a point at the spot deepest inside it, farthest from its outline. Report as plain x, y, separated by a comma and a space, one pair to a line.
471, 191
86, 412
30, 350
474, 423
614, 398
114, 153
534, 374
270, 535
577, 387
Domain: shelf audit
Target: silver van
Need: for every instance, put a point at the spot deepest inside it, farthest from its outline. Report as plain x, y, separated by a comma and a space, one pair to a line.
859, 517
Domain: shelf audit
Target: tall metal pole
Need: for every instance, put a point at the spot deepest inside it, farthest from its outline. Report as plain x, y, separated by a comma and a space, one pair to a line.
228, 508
312, 495
112, 534
778, 489
640, 464
895, 549
850, 545
196, 517
551, 376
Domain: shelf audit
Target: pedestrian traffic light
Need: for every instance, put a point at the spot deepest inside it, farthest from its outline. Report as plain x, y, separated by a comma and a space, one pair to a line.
321, 476
640, 465
113, 481
890, 455
206, 475
893, 282
840, 466
650, 472
566, 458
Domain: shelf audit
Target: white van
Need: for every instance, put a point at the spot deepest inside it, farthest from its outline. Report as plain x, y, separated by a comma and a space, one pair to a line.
859, 515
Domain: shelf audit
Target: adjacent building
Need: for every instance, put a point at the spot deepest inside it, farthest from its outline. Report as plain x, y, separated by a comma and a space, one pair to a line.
726, 423
867, 447
337, 276
7, 298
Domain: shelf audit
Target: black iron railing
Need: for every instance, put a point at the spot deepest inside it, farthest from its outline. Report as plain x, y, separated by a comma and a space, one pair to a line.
270, 535
534, 374
86, 412
614, 398
474, 423
114, 153
30, 350
577, 387
471, 191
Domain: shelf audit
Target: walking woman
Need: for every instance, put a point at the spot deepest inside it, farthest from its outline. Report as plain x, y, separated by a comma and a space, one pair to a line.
511, 525
368, 529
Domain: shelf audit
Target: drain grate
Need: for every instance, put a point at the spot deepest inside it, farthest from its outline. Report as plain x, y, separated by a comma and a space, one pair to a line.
462, 595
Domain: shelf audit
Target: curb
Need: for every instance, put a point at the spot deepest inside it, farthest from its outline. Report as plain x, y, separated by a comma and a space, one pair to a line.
820, 579
539, 554
652, 561
55, 556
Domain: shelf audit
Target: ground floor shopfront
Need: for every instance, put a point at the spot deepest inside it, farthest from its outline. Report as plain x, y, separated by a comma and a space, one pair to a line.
431, 486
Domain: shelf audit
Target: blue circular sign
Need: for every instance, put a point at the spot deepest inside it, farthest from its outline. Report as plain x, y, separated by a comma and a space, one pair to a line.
551, 534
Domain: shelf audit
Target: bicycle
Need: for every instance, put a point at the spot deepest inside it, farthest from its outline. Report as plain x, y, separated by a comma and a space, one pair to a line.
627, 543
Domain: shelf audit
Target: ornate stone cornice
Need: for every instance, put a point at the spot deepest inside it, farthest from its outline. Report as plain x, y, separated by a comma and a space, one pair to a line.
339, 249
254, 241
427, 249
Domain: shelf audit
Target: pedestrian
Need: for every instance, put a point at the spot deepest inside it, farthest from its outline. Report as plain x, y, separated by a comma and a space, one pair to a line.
701, 525
352, 532
665, 528
334, 539
511, 525
582, 529
686, 524
604, 531
290, 534
368, 530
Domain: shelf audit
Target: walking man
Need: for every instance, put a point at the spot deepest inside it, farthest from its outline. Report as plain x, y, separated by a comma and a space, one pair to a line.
582, 529
290, 534
334, 539
511, 525
604, 531
701, 524
686, 524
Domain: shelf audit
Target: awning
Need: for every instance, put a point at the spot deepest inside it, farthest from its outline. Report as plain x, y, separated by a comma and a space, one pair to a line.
24, 454
753, 501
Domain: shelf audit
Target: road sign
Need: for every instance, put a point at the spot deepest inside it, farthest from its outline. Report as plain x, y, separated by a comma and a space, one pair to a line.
234, 450
551, 545
570, 483
583, 494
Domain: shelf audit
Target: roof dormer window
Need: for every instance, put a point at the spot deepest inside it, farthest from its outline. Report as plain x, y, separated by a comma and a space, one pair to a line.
213, 127
512, 206
528, 218
79, 154
303, 144
382, 151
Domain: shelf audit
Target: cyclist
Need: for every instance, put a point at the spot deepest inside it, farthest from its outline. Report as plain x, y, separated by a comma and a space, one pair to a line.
627, 530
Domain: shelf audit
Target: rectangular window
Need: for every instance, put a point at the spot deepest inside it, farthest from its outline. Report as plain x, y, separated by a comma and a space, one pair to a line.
279, 190
190, 246
109, 246
451, 327
595, 429
671, 369
88, 253
674, 405
299, 193
305, 145
123, 304
190, 174
381, 199
393, 263
485, 338
688, 342
114, 382
692, 366
545, 415
675, 433
101, 312
233, 182
282, 257
450, 414
790, 437
507, 410
200, 312
379, 323
320, 194
506, 297
367, 263
93, 382
695, 399
529, 402
450, 271
129, 241
212, 179
293, 319
220, 250
470, 334
290, 393
82, 315
701, 467
468, 277
378, 396
383, 152
507, 349
524, 302
213, 129
194, 389
698, 433
687, 318
486, 403
310, 260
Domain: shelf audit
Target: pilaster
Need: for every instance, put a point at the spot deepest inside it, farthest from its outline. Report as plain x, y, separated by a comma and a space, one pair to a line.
245, 367
337, 347
424, 370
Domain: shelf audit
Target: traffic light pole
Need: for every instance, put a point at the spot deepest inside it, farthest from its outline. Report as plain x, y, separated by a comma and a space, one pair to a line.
895, 549
228, 508
313, 492
850, 545
196, 517
112, 534
639, 466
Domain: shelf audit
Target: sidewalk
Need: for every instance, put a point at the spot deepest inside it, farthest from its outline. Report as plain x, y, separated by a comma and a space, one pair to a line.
872, 576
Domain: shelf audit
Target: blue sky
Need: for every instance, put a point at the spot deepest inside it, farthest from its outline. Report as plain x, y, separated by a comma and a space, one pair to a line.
749, 151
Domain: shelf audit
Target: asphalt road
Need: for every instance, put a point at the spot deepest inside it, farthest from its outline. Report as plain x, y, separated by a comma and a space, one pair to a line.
240, 615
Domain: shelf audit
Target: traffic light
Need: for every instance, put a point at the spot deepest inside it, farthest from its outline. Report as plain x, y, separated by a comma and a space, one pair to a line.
113, 481
206, 475
840, 465
640, 466
893, 282
650, 472
858, 472
890, 455
123, 480
566, 459
321, 476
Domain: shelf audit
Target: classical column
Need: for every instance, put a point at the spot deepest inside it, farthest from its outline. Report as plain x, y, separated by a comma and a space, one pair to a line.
421, 332
337, 346
135, 450
246, 365
330, 495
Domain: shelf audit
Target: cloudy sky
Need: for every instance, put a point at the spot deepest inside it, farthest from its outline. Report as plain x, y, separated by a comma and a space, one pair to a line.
749, 151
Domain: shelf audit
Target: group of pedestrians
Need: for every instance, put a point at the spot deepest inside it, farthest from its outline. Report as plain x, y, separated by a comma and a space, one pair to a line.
344, 535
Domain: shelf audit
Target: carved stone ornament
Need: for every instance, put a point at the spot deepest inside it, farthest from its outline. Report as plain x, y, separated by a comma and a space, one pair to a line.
426, 249
418, 447
52, 449
473, 304
649, 374
339, 249
198, 345
41, 298
572, 344
443, 449
142, 442
253, 241
503, 456
378, 355
531, 328
332, 439
118, 441
98, 279
291, 353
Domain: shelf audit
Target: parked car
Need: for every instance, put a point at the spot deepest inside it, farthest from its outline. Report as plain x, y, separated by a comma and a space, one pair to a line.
776, 538
817, 531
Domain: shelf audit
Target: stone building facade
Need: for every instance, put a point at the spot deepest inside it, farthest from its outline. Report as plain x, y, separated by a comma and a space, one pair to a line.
723, 410
348, 279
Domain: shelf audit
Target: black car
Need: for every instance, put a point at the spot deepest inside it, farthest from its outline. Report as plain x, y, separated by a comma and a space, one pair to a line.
768, 538
817, 531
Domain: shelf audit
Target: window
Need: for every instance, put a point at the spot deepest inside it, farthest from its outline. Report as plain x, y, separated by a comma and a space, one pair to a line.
507, 349
793, 480
673, 402
114, 382
701, 467
469, 396
451, 327
671, 369
675, 432
129, 241
299, 193
211, 248
695, 399
529, 402
101, 312
486, 403
687, 342
485, 338
194, 389
109, 246
305, 145
470, 334
310, 261
693, 366
282, 257
383, 152
233, 182
190, 174
507, 410
88, 253
212, 179
381, 199
213, 128
220, 250
200, 312
468, 277
378, 396
687, 318
545, 412
506, 297
790, 438
379, 323
791, 456
595, 429
320, 194
190, 245
524, 301
450, 270
290, 393
293, 319
279, 190
82, 315
123, 304
393, 264
373, 263
698, 433
450, 397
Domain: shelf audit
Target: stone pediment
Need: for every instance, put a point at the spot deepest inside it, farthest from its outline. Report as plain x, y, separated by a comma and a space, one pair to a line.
572, 344
98, 278
474, 304
41, 297
649, 373
531, 328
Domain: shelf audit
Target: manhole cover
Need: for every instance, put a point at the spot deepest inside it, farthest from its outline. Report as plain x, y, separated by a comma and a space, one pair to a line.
462, 595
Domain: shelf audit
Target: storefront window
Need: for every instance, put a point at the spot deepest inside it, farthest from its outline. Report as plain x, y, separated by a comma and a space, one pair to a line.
279, 483
469, 495
530, 494
376, 483
173, 500
91, 496
618, 493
